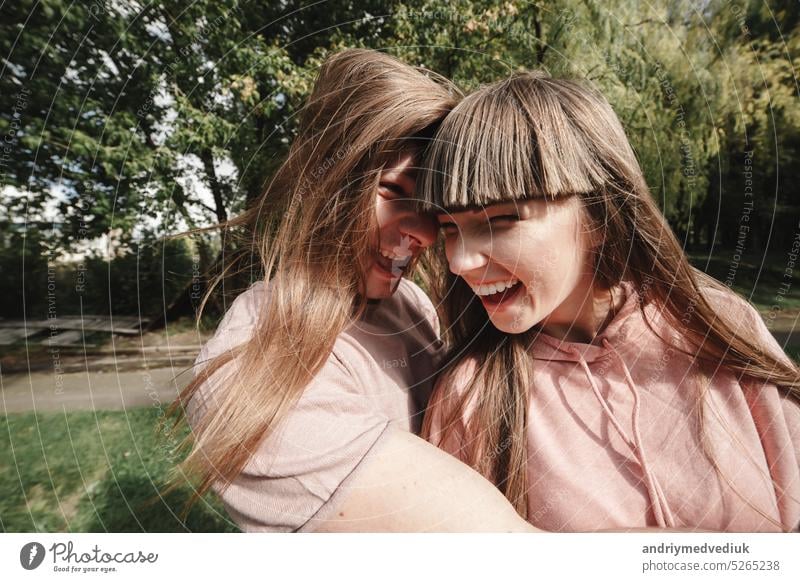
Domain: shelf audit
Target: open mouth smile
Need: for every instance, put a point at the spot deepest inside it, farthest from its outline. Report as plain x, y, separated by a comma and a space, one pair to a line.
497, 294
391, 264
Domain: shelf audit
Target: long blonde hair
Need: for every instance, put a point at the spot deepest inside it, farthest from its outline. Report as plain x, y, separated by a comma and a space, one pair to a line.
313, 231
534, 136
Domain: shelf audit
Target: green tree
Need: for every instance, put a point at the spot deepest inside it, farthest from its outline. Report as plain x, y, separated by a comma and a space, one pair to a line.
165, 115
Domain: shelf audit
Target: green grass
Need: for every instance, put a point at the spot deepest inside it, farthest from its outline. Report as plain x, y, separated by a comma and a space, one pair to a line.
762, 292
94, 472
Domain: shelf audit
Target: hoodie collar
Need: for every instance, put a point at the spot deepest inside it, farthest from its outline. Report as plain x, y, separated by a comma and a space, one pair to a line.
623, 328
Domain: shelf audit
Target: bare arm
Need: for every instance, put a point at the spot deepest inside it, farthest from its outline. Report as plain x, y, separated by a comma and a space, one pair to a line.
411, 486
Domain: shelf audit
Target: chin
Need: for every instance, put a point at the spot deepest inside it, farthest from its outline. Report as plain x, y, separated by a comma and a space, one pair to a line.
511, 324
509, 329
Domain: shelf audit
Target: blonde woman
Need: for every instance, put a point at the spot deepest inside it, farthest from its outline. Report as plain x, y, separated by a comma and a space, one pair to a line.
306, 401
595, 376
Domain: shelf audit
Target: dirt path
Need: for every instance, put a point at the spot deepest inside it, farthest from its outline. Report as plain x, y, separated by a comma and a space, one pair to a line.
126, 373
92, 390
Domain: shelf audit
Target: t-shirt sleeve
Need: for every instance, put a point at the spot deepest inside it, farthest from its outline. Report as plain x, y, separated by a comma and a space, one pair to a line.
791, 414
298, 474
776, 415
235, 329
768, 341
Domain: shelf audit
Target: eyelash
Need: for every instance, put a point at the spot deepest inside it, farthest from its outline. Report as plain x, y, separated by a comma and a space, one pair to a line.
511, 217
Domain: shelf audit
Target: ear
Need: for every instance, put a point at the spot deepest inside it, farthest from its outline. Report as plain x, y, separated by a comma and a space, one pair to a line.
591, 229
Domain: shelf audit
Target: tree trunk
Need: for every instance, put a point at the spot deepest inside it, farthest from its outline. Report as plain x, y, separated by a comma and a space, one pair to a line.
216, 187
188, 301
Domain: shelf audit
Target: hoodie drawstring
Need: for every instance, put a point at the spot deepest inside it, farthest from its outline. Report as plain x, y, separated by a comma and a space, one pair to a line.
661, 509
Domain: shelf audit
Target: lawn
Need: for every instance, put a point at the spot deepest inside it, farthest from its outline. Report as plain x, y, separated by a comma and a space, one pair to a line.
94, 472
759, 278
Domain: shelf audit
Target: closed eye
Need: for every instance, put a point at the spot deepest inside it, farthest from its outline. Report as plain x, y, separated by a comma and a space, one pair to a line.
504, 218
395, 191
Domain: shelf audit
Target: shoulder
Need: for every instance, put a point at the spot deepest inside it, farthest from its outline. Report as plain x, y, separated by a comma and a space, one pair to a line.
743, 318
733, 309
448, 412
458, 376
410, 292
246, 308
727, 302
236, 326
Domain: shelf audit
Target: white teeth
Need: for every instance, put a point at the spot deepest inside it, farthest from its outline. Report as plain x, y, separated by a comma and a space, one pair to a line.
402, 259
493, 288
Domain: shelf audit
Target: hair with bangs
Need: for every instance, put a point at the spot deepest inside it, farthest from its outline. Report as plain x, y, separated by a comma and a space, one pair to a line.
511, 141
535, 136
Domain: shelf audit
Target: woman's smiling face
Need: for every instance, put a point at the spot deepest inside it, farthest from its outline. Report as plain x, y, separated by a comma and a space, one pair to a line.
527, 261
403, 232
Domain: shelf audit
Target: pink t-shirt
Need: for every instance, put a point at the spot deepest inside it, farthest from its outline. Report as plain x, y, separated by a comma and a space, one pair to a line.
379, 375
612, 440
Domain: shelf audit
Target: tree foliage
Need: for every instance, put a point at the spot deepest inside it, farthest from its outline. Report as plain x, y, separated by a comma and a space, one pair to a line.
156, 117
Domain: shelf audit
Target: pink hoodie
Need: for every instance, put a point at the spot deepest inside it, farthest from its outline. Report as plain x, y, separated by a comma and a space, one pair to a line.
612, 436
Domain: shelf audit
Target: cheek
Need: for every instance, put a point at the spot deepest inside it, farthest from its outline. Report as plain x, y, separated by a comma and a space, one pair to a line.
383, 213
517, 253
393, 215
550, 253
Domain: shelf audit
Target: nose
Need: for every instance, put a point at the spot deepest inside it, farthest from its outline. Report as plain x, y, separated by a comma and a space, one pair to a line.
420, 227
463, 256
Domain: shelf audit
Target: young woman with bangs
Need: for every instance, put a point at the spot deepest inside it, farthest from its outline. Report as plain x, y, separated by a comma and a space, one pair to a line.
595, 376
